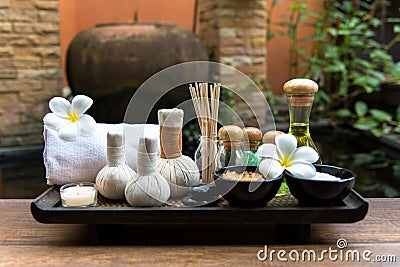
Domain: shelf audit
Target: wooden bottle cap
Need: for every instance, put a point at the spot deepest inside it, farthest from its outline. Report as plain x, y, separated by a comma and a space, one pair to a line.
230, 133
300, 86
252, 134
269, 137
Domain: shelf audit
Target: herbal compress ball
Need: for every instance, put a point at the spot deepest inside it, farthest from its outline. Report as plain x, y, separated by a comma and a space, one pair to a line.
112, 179
147, 188
179, 170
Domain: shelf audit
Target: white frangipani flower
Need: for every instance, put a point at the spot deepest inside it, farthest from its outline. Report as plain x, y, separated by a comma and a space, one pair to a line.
69, 118
286, 155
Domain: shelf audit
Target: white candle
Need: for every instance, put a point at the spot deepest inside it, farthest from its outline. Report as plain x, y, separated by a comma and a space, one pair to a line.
78, 195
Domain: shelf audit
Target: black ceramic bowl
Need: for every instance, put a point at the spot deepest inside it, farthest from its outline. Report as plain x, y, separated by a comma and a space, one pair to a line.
319, 192
246, 193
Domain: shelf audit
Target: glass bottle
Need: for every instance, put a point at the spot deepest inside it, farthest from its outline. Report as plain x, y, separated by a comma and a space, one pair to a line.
300, 97
230, 151
251, 141
204, 157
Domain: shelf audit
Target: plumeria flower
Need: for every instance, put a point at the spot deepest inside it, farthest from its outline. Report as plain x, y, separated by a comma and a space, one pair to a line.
285, 155
69, 118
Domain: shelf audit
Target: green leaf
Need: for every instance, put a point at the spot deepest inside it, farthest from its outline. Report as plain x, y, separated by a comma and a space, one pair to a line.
369, 34
379, 165
395, 73
397, 129
270, 36
360, 81
375, 22
363, 158
396, 170
337, 67
353, 22
396, 28
380, 115
296, 7
331, 52
369, 89
323, 96
331, 68
291, 32
332, 31
380, 55
302, 50
373, 43
398, 113
343, 88
365, 5
361, 108
345, 32
365, 124
378, 75
343, 113
317, 72
389, 191
378, 131
369, 187
362, 62
393, 20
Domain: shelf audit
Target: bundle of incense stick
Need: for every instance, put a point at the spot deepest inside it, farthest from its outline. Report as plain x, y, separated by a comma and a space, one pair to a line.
206, 103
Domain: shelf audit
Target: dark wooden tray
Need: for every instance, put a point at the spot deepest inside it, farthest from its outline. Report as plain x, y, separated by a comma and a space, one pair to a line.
282, 211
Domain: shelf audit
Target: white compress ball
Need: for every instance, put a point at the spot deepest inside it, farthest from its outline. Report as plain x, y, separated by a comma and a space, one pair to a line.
180, 171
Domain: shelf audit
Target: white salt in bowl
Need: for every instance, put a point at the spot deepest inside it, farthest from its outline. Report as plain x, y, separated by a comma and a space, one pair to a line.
330, 186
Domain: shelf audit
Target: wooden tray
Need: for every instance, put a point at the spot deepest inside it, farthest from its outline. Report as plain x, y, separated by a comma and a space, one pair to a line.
282, 211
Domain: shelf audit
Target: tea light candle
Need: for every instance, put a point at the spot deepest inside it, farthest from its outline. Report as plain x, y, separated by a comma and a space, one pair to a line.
78, 195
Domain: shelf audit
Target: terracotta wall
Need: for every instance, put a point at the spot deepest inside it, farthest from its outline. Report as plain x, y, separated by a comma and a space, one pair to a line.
77, 15
277, 49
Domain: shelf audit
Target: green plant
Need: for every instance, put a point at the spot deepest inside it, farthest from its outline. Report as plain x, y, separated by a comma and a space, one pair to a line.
368, 166
375, 120
289, 24
345, 60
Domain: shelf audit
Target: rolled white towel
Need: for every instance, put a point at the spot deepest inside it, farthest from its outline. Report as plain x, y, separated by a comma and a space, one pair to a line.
80, 160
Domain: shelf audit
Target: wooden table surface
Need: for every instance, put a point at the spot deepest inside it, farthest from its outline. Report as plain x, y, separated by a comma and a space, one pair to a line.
25, 242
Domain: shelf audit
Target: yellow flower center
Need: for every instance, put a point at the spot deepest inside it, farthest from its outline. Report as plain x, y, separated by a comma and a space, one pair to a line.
285, 162
73, 117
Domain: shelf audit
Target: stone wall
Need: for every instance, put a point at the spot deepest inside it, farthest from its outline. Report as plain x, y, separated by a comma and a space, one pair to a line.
30, 68
234, 32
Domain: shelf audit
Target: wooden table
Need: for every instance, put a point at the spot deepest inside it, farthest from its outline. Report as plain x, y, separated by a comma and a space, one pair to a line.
25, 242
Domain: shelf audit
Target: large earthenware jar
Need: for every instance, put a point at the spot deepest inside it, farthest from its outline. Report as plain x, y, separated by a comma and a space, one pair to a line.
110, 61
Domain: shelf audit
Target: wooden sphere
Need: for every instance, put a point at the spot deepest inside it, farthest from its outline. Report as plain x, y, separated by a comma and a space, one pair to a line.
269, 137
300, 86
252, 134
230, 133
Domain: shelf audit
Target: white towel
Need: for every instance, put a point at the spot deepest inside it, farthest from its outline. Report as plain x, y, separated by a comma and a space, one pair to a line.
80, 160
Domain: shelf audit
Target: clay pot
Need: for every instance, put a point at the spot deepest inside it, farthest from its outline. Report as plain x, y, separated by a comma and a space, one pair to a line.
110, 61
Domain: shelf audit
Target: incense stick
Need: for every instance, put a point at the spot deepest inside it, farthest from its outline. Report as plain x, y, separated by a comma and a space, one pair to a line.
206, 103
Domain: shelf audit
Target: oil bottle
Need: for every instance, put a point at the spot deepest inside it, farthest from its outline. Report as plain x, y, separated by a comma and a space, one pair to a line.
300, 97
